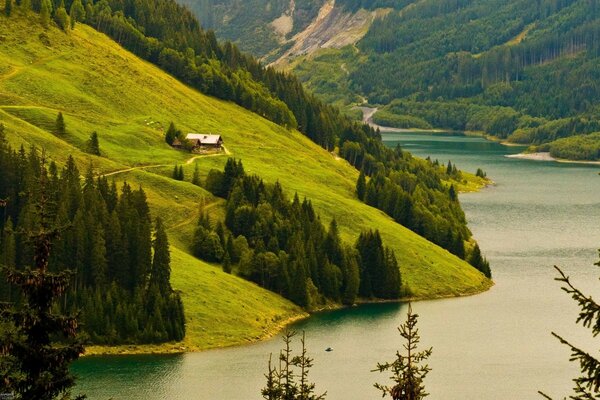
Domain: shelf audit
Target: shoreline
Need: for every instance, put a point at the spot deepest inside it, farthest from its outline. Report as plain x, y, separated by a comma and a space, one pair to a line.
368, 113
276, 328
545, 156
273, 330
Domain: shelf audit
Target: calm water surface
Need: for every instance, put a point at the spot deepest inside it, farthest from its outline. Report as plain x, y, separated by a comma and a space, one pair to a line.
496, 345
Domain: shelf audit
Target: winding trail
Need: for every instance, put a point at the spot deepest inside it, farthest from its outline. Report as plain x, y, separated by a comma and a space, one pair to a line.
187, 162
17, 69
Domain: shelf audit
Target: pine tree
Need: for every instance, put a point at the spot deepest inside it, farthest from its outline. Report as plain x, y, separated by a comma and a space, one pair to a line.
587, 386
93, 146
59, 126
8, 7
45, 13
282, 382
171, 134
76, 13
178, 173
161, 263
196, 176
449, 169
361, 186
62, 18
452, 193
479, 262
227, 263
40, 344
407, 373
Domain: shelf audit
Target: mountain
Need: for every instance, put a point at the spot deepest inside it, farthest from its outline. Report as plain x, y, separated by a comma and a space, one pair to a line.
98, 86
523, 71
279, 30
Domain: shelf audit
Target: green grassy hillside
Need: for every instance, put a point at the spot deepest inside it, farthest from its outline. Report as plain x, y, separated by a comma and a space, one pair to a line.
100, 87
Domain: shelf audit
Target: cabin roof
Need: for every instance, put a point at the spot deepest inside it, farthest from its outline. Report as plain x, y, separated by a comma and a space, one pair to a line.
204, 139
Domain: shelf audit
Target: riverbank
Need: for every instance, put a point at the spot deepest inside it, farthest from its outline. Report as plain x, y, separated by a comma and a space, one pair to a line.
185, 346
271, 331
545, 156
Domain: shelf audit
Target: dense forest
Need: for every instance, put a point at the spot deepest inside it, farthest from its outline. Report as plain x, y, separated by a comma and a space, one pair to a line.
418, 194
118, 255
173, 39
282, 245
532, 65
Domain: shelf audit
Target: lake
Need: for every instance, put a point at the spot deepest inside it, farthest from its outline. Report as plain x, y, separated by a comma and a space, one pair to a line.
496, 345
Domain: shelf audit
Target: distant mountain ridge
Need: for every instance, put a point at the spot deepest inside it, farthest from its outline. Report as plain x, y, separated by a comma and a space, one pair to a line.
279, 30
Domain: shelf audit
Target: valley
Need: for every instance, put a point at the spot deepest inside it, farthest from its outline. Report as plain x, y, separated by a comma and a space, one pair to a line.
129, 103
184, 181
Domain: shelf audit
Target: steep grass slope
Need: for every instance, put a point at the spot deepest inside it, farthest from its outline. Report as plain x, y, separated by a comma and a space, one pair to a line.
100, 87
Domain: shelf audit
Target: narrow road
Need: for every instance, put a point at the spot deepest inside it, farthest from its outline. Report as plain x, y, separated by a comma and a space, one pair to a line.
187, 162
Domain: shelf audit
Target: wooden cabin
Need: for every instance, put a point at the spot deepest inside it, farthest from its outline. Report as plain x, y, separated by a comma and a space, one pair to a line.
202, 141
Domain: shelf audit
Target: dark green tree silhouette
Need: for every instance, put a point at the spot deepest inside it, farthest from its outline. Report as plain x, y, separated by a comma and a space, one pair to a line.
93, 145
59, 126
587, 386
77, 13
361, 185
8, 7
479, 262
161, 262
45, 13
171, 134
407, 372
38, 344
62, 18
196, 176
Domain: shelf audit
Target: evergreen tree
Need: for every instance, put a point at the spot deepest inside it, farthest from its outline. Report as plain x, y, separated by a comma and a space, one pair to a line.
196, 176
587, 386
39, 344
45, 13
178, 174
59, 125
76, 13
407, 373
227, 263
161, 263
283, 382
361, 186
449, 169
171, 134
93, 146
62, 18
452, 193
479, 262
8, 7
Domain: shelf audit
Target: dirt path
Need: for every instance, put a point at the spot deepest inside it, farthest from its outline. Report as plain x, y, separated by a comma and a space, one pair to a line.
187, 162
17, 69
196, 215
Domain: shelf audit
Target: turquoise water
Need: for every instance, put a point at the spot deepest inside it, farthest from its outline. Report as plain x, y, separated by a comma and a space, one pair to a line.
496, 345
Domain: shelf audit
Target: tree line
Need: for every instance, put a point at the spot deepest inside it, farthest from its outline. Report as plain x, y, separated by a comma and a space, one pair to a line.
528, 63
283, 245
413, 192
119, 256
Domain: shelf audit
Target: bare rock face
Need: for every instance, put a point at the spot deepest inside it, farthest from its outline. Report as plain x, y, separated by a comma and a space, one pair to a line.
334, 27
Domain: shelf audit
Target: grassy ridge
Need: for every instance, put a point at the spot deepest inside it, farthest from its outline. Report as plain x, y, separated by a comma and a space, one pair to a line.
99, 86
